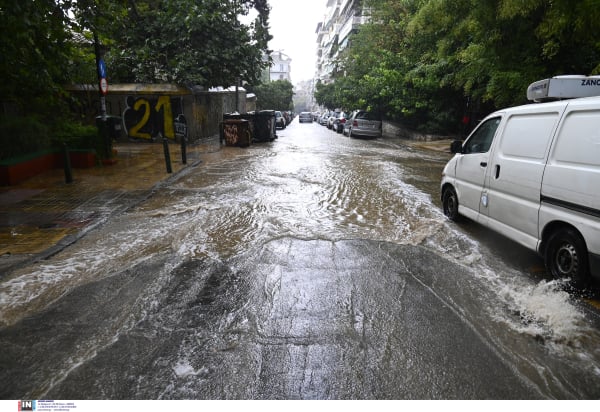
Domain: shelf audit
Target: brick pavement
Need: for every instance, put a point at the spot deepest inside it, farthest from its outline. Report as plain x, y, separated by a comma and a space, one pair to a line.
43, 214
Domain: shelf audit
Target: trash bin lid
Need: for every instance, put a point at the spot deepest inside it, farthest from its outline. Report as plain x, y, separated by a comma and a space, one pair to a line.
235, 121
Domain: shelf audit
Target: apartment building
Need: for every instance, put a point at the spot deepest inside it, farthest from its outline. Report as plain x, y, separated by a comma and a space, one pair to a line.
281, 68
342, 18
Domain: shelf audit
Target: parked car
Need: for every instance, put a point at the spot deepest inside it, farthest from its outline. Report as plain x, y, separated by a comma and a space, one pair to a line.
363, 123
280, 120
331, 119
316, 116
324, 119
348, 123
305, 117
532, 174
339, 122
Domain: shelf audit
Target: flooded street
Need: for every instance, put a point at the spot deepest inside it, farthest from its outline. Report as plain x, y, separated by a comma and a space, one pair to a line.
313, 267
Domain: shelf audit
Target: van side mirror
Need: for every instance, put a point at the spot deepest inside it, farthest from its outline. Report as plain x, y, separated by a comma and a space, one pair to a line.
456, 146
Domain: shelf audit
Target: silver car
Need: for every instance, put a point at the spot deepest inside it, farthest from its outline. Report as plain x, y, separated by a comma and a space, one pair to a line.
280, 120
332, 117
324, 118
305, 117
363, 123
340, 121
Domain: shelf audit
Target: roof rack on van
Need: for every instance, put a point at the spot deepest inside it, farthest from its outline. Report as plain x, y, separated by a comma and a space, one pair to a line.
564, 87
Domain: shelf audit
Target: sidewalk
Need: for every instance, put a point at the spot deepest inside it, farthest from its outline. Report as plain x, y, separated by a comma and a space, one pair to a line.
43, 214
436, 145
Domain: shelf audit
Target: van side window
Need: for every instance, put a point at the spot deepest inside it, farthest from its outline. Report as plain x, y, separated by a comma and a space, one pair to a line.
481, 140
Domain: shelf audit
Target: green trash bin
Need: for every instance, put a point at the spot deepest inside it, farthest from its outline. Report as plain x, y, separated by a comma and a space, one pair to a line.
264, 126
115, 130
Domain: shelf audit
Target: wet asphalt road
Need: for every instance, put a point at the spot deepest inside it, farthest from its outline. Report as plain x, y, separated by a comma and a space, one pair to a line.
313, 267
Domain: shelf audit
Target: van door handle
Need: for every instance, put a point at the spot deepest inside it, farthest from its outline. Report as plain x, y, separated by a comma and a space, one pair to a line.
483, 164
497, 171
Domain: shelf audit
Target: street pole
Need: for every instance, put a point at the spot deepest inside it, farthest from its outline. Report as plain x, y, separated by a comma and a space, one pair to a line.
237, 98
102, 122
167, 154
98, 57
67, 164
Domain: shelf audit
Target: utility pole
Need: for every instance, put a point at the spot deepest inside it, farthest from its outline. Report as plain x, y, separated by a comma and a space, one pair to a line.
102, 120
101, 72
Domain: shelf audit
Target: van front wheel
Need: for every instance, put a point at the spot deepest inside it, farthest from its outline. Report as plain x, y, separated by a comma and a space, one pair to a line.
566, 257
450, 203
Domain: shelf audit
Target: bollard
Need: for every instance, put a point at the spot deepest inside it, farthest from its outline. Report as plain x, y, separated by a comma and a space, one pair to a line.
167, 154
67, 164
107, 141
183, 151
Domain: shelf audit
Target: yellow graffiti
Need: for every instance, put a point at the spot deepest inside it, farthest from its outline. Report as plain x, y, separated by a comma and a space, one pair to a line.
135, 130
163, 104
165, 101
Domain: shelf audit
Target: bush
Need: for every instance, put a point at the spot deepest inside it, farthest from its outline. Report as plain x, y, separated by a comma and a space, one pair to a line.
22, 135
76, 136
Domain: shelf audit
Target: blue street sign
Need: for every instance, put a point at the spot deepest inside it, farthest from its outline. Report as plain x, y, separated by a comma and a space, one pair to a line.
101, 68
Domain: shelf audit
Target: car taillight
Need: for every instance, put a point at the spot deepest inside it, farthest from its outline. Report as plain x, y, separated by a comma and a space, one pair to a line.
355, 124
342, 120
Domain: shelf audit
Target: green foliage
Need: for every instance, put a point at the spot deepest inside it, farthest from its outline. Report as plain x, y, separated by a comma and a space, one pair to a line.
428, 63
326, 94
76, 136
189, 42
22, 135
34, 48
277, 95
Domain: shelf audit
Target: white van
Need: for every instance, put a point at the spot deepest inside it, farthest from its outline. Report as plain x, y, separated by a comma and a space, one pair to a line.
532, 173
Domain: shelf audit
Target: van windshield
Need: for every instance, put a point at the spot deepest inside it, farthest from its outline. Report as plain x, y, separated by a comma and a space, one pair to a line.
481, 140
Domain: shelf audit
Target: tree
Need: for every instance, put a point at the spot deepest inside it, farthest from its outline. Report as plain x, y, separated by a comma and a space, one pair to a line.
326, 94
277, 95
34, 49
190, 42
429, 62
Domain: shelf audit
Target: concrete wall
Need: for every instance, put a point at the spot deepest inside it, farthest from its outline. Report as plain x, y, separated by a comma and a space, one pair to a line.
391, 129
152, 111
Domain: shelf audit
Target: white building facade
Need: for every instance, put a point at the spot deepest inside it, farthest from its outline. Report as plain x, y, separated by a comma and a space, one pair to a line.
342, 18
281, 69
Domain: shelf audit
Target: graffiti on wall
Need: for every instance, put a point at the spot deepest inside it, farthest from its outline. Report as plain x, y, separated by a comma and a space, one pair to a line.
152, 117
237, 133
230, 131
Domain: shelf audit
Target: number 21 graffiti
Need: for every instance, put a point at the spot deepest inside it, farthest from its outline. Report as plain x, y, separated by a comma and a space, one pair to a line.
149, 118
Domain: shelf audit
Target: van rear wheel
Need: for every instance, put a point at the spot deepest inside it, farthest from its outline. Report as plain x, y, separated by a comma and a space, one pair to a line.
450, 204
566, 257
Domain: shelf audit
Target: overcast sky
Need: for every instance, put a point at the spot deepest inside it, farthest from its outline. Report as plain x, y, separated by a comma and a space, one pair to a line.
293, 25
